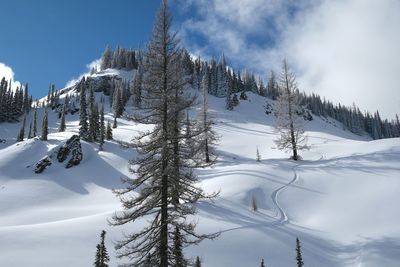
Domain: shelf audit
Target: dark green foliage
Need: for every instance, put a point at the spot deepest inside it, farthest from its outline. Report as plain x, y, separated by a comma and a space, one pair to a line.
83, 117
93, 121
45, 126
299, 257
21, 133
30, 131
62, 120
14, 102
197, 263
115, 124
102, 257
34, 126
177, 249
102, 128
109, 133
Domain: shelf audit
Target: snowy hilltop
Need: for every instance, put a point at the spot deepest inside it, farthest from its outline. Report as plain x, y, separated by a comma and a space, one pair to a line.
338, 200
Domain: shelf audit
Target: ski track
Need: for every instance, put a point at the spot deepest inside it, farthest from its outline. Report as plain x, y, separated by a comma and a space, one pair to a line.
274, 196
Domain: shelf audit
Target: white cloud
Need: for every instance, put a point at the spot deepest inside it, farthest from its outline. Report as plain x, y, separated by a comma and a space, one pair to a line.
94, 64
8, 73
346, 51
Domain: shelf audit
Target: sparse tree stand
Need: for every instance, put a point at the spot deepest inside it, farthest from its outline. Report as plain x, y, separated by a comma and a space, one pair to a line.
289, 124
299, 257
102, 257
165, 191
45, 126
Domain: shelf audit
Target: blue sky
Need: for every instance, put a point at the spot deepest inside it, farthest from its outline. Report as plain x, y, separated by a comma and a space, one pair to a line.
52, 41
345, 50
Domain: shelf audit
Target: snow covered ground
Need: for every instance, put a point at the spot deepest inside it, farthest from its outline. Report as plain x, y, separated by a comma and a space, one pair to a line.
340, 200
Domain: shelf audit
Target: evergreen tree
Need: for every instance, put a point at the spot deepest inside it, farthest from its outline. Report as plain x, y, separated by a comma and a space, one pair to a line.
102, 257
93, 121
34, 126
197, 263
208, 138
262, 263
106, 59
166, 190
30, 131
258, 156
83, 129
109, 134
137, 88
115, 124
21, 133
229, 102
289, 123
177, 249
272, 86
299, 257
62, 120
102, 128
45, 126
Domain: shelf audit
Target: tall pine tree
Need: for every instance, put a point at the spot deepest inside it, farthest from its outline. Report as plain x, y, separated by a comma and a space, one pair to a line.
163, 179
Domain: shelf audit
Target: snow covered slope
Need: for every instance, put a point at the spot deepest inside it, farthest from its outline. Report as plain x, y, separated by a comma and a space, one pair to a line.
340, 200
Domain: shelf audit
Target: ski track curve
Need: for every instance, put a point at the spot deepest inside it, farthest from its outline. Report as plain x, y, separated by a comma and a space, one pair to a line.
275, 195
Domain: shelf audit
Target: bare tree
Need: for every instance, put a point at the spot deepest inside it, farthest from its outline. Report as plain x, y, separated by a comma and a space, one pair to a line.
289, 122
162, 190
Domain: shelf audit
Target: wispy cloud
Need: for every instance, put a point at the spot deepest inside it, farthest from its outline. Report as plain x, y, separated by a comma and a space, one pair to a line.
94, 64
346, 51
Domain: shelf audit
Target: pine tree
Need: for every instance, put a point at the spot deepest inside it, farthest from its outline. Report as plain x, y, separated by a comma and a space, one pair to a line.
83, 129
45, 126
197, 263
62, 120
272, 87
34, 126
115, 124
208, 138
102, 257
177, 249
109, 134
21, 133
164, 179
30, 131
262, 263
229, 102
258, 156
92, 116
137, 88
106, 59
102, 128
289, 124
299, 257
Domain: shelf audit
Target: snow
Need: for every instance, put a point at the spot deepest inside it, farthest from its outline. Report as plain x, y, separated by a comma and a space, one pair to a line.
340, 200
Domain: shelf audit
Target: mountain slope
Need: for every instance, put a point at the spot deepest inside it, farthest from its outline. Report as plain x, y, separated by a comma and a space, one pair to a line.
340, 200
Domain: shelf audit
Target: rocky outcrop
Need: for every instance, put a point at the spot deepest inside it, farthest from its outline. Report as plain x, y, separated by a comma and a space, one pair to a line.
42, 164
70, 151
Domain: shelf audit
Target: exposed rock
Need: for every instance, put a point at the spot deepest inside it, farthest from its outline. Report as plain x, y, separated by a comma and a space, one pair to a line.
42, 164
71, 149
